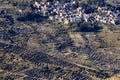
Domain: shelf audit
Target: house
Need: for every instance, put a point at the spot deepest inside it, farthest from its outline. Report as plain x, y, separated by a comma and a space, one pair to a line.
111, 21
51, 17
85, 17
65, 21
36, 4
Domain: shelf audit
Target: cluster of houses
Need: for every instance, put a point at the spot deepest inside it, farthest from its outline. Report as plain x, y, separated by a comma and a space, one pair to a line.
65, 13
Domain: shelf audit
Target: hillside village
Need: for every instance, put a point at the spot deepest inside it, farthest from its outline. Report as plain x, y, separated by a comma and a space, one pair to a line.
67, 13
59, 40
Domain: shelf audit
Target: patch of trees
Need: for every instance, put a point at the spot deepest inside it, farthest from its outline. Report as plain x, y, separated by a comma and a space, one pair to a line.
6, 20
85, 27
31, 17
96, 2
89, 9
22, 4
88, 27
6, 78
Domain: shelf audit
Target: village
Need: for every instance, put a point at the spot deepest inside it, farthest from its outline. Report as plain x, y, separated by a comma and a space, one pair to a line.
64, 13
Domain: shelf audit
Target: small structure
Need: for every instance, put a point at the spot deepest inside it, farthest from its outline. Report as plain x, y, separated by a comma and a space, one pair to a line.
65, 21
36, 4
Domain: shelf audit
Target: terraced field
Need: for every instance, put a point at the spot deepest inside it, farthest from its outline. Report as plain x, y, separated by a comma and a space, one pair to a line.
34, 48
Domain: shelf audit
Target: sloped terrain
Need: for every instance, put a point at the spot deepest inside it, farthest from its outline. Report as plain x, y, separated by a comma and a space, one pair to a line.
34, 48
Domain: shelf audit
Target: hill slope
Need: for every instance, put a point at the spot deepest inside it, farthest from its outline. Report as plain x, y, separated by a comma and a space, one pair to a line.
34, 48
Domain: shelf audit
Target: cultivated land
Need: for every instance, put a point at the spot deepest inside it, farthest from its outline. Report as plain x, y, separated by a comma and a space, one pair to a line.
33, 47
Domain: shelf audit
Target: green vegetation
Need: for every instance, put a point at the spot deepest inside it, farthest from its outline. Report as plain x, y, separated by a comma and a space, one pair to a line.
33, 46
2, 77
89, 27
85, 27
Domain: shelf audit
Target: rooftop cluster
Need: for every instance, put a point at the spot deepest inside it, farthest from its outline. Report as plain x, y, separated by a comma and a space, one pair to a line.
69, 12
